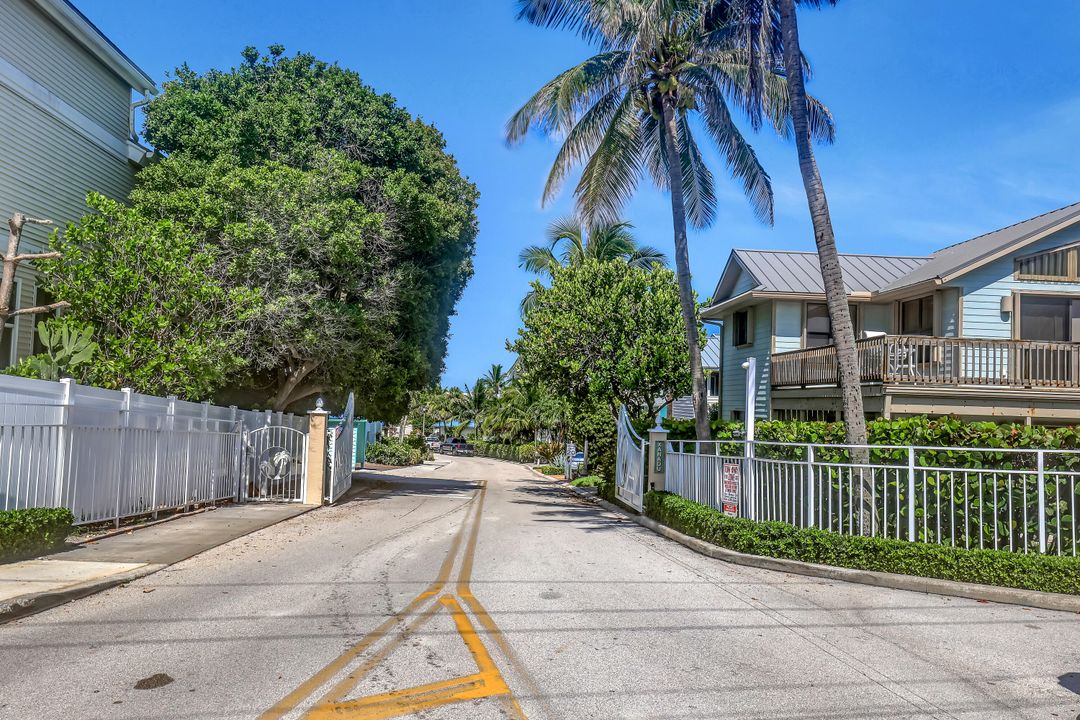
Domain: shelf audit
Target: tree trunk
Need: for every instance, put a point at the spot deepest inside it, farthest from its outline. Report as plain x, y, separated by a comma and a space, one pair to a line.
11, 261
682, 265
835, 295
287, 394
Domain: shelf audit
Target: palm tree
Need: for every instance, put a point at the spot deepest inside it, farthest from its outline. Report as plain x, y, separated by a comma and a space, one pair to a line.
631, 109
496, 380
569, 243
835, 295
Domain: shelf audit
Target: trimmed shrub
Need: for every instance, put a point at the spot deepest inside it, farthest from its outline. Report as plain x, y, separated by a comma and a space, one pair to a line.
587, 481
1047, 573
25, 533
391, 451
550, 469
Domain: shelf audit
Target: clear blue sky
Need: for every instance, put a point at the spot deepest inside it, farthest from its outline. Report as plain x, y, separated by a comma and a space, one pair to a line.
954, 118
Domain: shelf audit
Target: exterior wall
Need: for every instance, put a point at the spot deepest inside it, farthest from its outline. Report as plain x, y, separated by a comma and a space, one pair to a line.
983, 289
35, 45
734, 377
64, 124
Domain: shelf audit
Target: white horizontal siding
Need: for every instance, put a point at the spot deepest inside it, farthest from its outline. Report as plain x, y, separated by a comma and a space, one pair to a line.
35, 45
734, 377
47, 169
983, 288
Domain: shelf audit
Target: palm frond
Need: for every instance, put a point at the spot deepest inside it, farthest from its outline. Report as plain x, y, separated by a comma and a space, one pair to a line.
538, 259
611, 174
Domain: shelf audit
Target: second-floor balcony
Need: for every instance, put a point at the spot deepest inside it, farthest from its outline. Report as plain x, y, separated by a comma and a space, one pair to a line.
958, 361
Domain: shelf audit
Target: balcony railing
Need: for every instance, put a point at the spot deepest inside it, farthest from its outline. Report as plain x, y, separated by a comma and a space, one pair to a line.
914, 359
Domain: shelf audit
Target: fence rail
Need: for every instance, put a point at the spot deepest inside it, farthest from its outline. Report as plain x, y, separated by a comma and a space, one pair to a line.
992, 498
108, 455
938, 361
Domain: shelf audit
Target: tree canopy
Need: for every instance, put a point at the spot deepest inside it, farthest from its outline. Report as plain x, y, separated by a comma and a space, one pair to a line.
340, 217
605, 334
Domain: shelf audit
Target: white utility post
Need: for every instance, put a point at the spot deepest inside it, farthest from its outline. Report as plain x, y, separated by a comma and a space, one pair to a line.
750, 366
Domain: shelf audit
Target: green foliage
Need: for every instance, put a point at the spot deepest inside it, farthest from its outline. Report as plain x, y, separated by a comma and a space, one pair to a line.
69, 350
25, 533
605, 334
551, 469
392, 451
587, 481
781, 540
162, 322
302, 234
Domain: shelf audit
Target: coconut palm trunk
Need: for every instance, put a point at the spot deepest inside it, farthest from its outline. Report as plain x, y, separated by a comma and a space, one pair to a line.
682, 269
832, 277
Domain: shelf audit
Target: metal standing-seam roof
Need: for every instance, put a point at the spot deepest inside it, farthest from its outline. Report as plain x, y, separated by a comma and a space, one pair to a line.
949, 260
799, 272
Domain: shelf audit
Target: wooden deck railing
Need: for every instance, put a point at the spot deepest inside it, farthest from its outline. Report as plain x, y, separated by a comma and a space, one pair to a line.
938, 361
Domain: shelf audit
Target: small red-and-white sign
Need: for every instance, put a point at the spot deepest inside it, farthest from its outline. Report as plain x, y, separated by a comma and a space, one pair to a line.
731, 509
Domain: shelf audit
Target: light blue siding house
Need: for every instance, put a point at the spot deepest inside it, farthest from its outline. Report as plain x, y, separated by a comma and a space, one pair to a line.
66, 128
985, 329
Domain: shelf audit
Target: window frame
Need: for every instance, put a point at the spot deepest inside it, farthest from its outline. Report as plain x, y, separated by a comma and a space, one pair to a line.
747, 335
922, 320
1071, 262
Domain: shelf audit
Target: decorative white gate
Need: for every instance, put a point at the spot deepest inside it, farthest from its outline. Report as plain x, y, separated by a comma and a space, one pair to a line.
274, 464
340, 451
630, 464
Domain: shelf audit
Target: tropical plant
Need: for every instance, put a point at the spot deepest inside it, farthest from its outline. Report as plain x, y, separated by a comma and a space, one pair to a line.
631, 109
496, 379
569, 242
69, 348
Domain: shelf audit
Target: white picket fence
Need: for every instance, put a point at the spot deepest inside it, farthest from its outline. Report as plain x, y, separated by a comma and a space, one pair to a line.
993, 498
108, 455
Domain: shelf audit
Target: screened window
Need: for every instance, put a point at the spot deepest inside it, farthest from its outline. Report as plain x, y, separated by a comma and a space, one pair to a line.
917, 316
714, 384
1047, 318
7, 333
741, 333
819, 326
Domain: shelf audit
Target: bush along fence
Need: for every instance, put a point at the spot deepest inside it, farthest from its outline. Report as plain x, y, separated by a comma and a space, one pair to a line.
1016, 499
533, 452
30, 532
107, 455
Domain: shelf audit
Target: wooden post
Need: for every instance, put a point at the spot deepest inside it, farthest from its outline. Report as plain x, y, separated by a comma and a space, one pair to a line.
316, 457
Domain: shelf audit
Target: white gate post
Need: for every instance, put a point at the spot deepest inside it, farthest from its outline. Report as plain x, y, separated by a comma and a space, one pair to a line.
206, 442
657, 476
125, 422
238, 454
1041, 488
750, 366
809, 485
67, 399
911, 494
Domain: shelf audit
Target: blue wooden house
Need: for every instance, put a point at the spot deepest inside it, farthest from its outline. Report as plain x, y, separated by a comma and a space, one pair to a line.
985, 329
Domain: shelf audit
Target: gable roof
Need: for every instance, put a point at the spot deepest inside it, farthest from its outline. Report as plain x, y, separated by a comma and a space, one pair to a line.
799, 272
962, 257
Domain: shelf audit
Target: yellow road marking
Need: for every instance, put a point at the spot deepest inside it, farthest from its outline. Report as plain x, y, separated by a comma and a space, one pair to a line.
488, 682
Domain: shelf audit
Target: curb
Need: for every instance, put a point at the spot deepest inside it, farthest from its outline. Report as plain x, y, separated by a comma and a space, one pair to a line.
910, 583
32, 603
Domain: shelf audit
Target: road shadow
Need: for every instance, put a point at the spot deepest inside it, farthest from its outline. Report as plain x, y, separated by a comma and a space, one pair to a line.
1071, 682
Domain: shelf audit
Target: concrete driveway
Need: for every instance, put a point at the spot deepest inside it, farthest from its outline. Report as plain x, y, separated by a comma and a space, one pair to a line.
476, 590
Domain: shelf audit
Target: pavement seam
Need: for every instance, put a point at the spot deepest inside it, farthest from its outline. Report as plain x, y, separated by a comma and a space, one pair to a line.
910, 583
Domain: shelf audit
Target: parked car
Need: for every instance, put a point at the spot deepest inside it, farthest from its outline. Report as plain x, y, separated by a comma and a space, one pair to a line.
456, 446
577, 461
433, 442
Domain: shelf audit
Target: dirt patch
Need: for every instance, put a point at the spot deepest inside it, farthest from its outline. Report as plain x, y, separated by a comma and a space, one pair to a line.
154, 681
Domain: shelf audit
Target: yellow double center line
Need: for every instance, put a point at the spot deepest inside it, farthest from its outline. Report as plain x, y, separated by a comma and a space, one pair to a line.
486, 682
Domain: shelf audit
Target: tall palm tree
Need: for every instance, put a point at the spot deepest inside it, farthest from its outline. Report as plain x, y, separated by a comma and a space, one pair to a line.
663, 67
832, 278
570, 242
496, 380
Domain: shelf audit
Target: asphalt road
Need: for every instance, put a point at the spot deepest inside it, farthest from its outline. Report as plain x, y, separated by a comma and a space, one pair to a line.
477, 590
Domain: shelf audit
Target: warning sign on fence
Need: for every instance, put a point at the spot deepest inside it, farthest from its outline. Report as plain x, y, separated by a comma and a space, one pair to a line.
729, 490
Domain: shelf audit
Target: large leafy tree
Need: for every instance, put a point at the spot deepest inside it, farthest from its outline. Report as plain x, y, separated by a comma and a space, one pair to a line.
569, 242
342, 214
607, 334
148, 290
664, 69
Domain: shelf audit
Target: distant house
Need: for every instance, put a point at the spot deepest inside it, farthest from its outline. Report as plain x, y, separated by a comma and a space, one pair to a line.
711, 355
985, 329
66, 128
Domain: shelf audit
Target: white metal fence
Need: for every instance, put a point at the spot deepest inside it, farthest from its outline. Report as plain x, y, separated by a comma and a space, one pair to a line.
630, 464
108, 454
1007, 499
340, 450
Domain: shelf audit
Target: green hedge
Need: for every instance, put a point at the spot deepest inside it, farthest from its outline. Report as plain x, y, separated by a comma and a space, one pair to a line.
391, 451
25, 533
781, 540
528, 452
